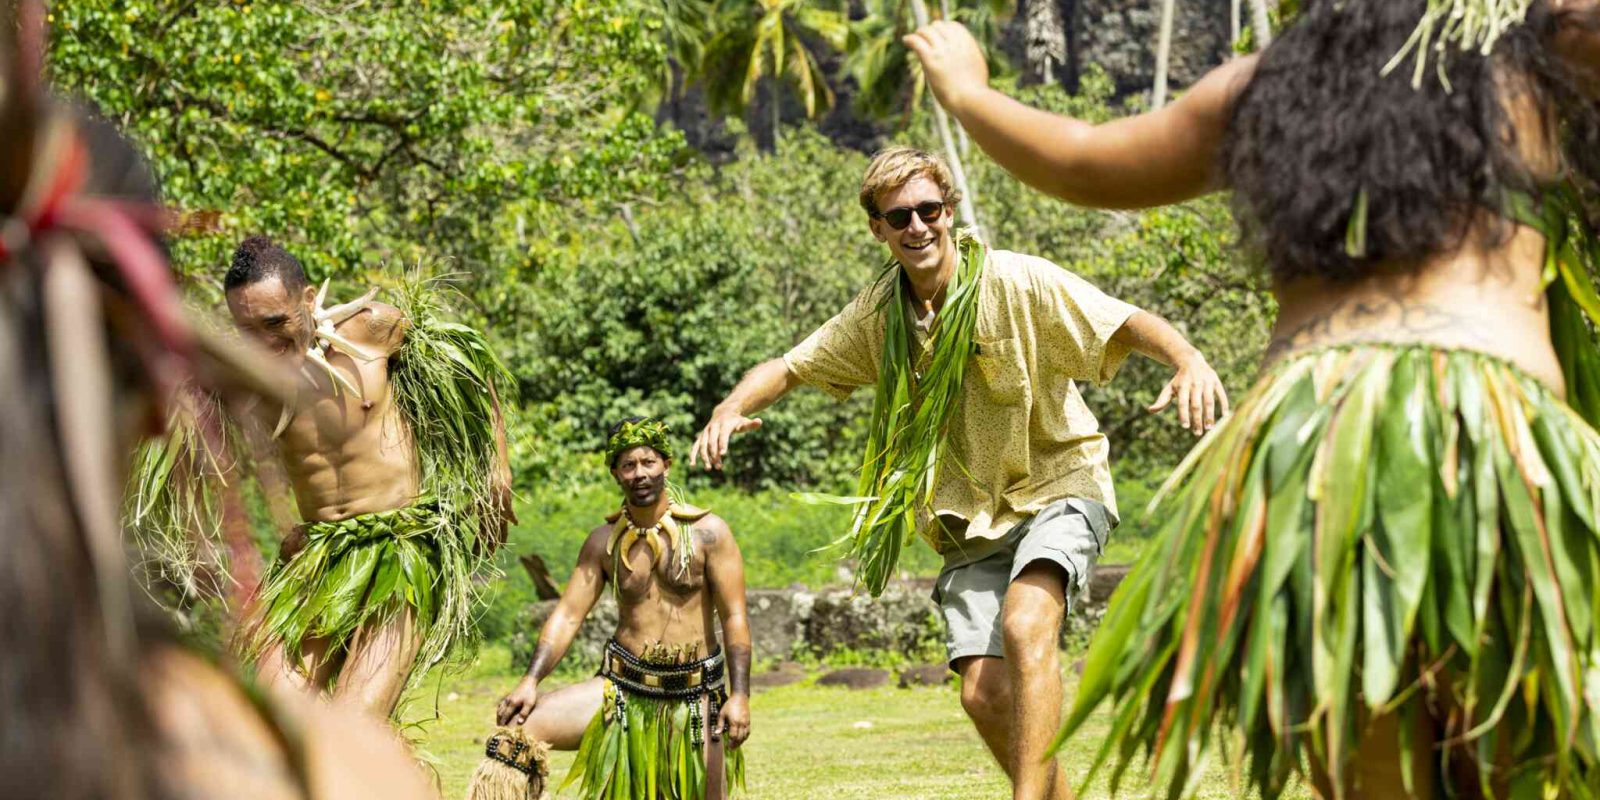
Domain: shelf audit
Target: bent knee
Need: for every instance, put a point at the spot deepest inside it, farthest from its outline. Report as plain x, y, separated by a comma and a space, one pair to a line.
1030, 639
985, 703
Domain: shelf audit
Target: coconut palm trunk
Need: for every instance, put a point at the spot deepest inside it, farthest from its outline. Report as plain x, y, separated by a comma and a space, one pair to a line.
776, 102
961, 133
968, 207
1261, 22
1169, 9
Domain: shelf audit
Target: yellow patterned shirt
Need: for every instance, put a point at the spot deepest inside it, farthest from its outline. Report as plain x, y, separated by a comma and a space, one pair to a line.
1021, 436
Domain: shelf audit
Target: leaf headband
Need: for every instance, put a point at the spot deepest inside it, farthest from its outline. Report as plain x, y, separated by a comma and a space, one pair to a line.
651, 433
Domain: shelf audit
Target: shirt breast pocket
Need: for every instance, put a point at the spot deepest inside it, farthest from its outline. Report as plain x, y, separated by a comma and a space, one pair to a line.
1002, 370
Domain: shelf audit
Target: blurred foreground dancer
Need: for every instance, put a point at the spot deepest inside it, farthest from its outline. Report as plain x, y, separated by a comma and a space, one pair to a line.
96, 700
1382, 567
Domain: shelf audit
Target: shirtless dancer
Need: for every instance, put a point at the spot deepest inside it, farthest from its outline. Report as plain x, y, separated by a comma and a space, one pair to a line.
370, 587
670, 565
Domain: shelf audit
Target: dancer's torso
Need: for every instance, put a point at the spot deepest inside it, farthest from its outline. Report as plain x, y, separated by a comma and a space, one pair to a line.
659, 603
347, 455
1486, 297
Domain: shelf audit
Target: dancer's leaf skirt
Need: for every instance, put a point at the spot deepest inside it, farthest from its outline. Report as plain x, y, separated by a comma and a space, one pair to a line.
354, 573
651, 755
1375, 530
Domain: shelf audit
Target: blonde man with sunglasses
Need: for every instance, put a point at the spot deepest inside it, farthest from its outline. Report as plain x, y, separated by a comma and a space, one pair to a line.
1022, 499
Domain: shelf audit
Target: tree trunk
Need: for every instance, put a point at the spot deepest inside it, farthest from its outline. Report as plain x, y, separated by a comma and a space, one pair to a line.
1045, 40
1262, 24
961, 133
774, 86
1163, 53
968, 207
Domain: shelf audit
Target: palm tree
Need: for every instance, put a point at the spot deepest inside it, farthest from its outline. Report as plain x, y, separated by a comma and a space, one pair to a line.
969, 203
1262, 24
685, 28
771, 42
882, 66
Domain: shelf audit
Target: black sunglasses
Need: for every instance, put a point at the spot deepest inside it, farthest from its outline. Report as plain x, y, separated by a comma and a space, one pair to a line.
899, 218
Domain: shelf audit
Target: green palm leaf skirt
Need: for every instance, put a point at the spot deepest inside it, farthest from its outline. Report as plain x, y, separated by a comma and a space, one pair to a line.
1376, 530
646, 748
357, 572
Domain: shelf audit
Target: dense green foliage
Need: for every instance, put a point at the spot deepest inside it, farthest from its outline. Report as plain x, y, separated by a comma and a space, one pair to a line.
616, 270
384, 133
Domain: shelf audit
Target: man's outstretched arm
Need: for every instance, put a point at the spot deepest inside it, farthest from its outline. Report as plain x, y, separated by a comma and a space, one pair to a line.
725, 574
1195, 387
762, 386
1157, 158
582, 592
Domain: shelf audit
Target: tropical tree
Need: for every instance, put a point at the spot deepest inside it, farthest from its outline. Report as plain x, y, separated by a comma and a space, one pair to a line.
448, 128
887, 80
772, 43
686, 27
1169, 9
1261, 23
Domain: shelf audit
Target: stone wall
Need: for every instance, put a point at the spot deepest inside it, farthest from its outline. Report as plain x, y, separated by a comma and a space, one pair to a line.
785, 623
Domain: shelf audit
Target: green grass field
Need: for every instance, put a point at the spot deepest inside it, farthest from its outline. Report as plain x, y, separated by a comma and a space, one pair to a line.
807, 742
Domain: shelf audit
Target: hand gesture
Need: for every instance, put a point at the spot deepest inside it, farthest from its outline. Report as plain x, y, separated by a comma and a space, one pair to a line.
712, 443
1199, 395
734, 721
951, 60
514, 708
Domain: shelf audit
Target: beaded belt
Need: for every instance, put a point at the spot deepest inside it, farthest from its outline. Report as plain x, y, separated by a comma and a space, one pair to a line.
680, 682
661, 681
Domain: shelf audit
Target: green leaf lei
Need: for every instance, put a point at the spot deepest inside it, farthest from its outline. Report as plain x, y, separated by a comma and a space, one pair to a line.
910, 415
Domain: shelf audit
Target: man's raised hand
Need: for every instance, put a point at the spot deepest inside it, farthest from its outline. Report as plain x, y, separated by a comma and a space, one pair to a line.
951, 60
1199, 394
712, 443
514, 708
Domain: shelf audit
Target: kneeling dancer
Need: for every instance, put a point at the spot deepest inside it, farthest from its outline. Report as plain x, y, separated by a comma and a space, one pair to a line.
655, 721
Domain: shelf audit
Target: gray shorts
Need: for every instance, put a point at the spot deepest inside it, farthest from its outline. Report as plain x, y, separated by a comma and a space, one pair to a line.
971, 589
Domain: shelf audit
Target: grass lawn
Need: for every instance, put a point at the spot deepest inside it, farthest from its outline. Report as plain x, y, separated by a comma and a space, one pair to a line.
808, 742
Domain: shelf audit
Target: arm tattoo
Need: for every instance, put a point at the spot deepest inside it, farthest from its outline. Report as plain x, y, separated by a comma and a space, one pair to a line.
543, 663
739, 669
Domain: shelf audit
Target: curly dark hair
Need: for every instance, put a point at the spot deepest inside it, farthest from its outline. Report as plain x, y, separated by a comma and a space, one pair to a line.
1320, 125
258, 258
